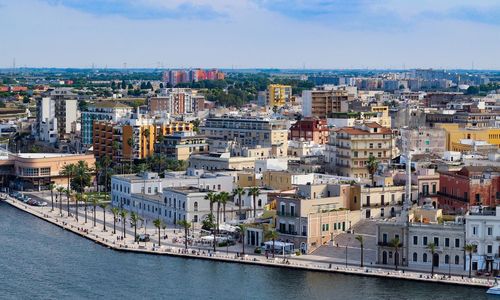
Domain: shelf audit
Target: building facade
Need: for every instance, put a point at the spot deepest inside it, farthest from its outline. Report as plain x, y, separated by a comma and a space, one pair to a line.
310, 129
320, 103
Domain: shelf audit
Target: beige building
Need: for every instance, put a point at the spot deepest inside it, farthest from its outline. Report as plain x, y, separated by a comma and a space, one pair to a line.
180, 146
221, 161
249, 132
350, 148
34, 171
310, 223
320, 103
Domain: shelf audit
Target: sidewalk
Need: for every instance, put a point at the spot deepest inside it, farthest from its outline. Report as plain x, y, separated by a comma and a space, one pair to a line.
308, 262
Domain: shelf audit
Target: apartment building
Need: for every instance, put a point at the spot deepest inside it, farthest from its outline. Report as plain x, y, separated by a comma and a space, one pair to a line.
350, 148
248, 132
278, 95
111, 111
321, 103
221, 161
55, 118
176, 101
310, 129
470, 186
180, 146
454, 134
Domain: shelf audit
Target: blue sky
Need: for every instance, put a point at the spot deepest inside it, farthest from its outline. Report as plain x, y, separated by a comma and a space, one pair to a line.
251, 33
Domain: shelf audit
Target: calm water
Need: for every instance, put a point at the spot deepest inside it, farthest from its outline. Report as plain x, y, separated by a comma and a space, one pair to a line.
41, 261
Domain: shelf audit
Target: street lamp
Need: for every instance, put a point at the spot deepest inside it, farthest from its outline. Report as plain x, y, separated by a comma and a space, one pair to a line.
346, 252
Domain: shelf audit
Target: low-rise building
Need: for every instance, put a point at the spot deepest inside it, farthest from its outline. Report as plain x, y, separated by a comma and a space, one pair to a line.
180, 146
221, 161
310, 129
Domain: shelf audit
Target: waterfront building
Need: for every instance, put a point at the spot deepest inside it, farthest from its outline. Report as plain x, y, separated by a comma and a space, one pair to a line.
321, 103
470, 186
310, 129
34, 171
425, 226
349, 148
278, 95
483, 231
110, 111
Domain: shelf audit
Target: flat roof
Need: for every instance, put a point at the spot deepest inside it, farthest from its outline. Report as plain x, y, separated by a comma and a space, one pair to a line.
45, 155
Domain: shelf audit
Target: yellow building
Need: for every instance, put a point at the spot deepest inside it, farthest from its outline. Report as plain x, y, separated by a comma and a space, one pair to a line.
454, 134
278, 95
277, 180
383, 117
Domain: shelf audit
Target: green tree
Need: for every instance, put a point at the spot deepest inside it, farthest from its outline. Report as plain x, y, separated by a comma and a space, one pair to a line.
432, 249
157, 223
212, 198
85, 200
81, 180
60, 190
123, 215
359, 238
254, 192
115, 211
372, 166
186, 225
51, 188
95, 203
469, 248
238, 192
68, 171
272, 235
395, 244
103, 206
134, 220
223, 199
243, 229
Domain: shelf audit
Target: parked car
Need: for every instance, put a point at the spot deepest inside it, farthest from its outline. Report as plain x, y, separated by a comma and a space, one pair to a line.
143, 238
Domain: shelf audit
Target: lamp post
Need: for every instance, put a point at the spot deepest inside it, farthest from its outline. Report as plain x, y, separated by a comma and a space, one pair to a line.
449, 266
346, 252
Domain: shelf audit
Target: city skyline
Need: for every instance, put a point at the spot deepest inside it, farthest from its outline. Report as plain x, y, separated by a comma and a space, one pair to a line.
250, 34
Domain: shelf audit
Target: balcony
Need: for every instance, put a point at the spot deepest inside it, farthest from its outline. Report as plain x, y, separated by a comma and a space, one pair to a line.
286, 214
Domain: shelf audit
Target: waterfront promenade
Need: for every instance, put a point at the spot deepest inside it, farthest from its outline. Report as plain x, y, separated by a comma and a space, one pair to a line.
110, 240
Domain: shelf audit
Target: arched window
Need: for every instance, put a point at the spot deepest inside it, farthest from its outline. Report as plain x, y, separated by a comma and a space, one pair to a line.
424, 257
446, 259
415, 256
196, 207
457, 259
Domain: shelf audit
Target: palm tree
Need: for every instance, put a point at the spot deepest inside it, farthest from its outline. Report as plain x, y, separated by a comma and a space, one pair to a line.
243, 228
254, 192
68, 194
51, 187
116, 212
359, 238
212, 198
164, 227
238, 192
106, 171
69, 171
60, 190
103, 205
186, 225
157, 223
94, 202
372, 166
134, 220
82, 176
272, 235
395, 243
469, 248
85, 200
123, 215
432, 249
223, 198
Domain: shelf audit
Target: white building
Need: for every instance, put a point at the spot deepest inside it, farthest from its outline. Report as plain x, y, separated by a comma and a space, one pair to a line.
483, 231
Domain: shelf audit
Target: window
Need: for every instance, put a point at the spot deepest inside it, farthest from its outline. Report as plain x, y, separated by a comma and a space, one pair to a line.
415, 256
368, 200
436, 241
195, 206
474, 230
371, 146
382, 198
457, 260
447, 242
415, 240
490, 230
433, 188
424, 241
446, 259
424, 257
457, 243
489, 249
355, 154
384, 238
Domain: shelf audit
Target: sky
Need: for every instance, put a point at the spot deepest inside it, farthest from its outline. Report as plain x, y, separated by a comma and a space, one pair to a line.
324, 34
